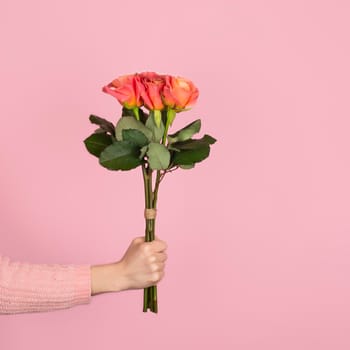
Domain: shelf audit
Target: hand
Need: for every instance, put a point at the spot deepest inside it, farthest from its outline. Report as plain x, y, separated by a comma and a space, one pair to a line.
142, 266
143, 263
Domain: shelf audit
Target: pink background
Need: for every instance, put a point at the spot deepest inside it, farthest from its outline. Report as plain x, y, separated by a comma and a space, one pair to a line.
258, 234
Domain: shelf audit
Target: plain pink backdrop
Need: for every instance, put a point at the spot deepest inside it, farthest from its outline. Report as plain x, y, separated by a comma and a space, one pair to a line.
258, 233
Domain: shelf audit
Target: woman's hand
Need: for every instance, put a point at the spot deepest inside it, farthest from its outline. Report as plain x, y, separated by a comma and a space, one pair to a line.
142, 266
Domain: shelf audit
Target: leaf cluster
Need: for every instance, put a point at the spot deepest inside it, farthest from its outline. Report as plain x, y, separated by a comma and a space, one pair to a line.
131, 143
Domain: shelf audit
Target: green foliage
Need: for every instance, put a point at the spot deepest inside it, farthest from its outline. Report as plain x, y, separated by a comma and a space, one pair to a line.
191, 155
143, 116
157, 132
192, 151
158, 156
130, 113
186, 166
135, 136
132, 142
97, 142
126, 112
185, 133
121, 155
164, 113
104, 124
208, 139
157, 116
131, 123
143, 152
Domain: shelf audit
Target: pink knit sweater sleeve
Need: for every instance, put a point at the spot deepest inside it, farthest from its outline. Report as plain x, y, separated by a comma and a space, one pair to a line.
28, 287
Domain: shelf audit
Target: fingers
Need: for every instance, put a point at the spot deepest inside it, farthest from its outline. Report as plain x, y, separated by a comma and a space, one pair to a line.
161, 257
155, 267
158, 257
156, 277
157, 245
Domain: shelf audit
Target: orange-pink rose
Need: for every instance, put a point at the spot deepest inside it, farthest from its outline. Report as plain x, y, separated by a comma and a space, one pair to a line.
126, 89
152, 86
179, 93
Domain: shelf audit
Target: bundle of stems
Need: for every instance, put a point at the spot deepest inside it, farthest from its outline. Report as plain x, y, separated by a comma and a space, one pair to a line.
150, 293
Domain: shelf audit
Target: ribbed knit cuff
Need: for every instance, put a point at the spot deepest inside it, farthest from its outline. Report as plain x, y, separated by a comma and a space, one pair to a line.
82, 284
42, 287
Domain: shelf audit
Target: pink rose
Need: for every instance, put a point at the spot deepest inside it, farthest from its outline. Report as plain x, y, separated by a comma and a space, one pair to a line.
152, 86
126, 89
179, 93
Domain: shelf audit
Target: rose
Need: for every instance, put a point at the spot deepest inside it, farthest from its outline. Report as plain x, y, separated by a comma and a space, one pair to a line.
127, 90
151, 87
179, 93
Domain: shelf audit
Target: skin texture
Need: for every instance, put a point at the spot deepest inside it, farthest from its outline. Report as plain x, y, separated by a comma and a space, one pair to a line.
141, 266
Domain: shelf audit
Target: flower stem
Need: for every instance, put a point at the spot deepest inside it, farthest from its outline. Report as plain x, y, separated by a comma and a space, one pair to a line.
150, 293
156, 188
136, 112
169, 120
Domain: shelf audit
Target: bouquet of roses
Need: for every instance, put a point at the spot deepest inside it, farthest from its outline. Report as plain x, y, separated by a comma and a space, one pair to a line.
140, 138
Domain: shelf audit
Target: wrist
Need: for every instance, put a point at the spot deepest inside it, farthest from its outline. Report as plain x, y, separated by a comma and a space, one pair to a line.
107, 278
118, 280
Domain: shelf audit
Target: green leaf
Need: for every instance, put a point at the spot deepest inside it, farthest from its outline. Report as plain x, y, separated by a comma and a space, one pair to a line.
189, 144
104, 124
191, 155
99, 131
172, 148
192, 151
157, 132
135, 136
185, 133
126, 112
131, 123
186, 166
143, 151
122, 155
97, 142
209, 139
158, 156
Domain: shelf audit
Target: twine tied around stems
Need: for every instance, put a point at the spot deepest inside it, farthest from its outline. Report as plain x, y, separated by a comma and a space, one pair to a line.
150, 213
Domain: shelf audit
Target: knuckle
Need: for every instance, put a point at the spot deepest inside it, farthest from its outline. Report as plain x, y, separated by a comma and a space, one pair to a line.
145, 248
155, 276
161, 275
151, 259
154, 267
164, 246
